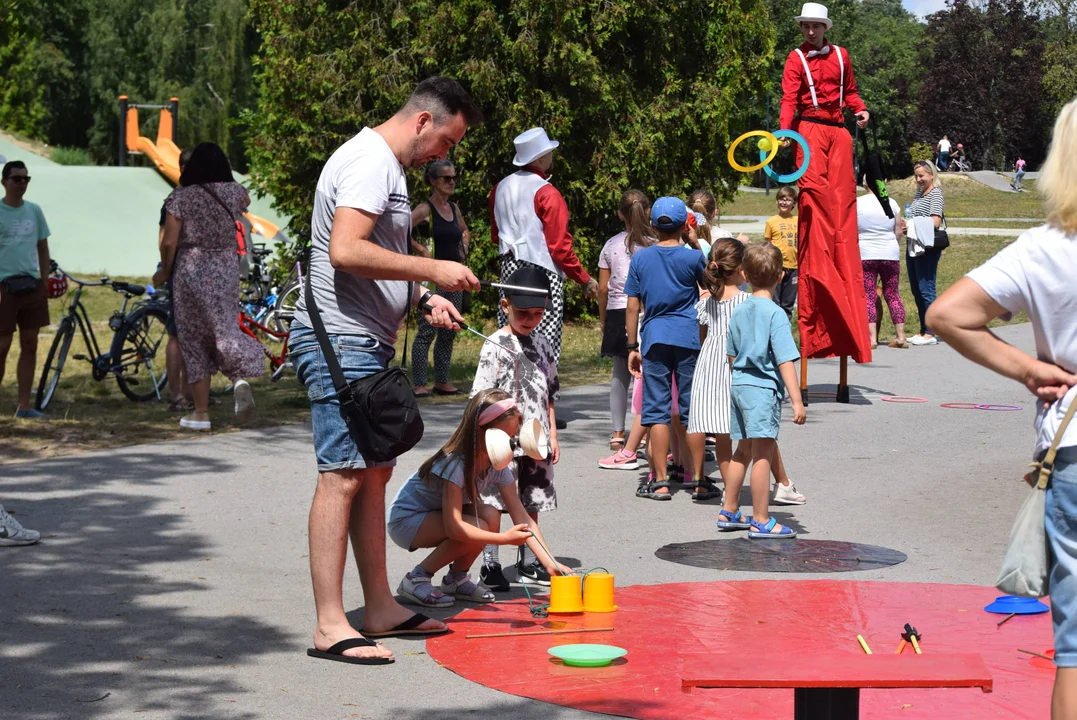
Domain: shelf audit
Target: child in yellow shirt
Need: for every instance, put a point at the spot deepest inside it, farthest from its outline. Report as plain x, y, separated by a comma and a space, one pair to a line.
781, 231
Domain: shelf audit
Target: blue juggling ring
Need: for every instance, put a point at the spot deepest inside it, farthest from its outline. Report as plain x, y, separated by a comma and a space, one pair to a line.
793, 176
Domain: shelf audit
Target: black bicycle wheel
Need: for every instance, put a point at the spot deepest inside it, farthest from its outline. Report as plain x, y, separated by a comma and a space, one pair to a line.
140, 367
54, 363
284, 310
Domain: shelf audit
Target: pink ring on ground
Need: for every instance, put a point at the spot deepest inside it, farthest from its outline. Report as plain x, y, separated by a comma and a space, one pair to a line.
903, 399
961, 406
999, 408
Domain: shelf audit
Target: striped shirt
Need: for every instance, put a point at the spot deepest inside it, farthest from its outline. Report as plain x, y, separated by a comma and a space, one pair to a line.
927, 205
712, 381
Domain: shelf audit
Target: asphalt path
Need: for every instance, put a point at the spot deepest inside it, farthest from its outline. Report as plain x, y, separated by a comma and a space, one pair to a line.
172, 579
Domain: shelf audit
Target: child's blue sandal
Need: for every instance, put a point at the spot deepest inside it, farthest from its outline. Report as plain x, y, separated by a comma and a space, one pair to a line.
732, 522
760, 531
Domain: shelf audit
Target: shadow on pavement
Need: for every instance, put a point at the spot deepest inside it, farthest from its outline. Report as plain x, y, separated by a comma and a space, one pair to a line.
100, 610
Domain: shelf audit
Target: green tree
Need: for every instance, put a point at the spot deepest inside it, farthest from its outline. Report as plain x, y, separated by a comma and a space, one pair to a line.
983, 85
641, 95
1059, 53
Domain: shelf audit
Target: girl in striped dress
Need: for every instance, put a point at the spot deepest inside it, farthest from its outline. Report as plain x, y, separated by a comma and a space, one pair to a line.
711, 403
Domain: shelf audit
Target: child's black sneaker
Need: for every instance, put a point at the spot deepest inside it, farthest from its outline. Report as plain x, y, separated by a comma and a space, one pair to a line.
492, 577
532, 574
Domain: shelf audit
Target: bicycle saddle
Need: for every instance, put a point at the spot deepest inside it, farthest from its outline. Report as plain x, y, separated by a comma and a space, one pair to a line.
129, 288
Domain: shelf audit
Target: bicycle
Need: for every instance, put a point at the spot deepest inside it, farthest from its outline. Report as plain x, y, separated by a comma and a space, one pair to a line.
960, 164
278, 362
137, 336
267, 304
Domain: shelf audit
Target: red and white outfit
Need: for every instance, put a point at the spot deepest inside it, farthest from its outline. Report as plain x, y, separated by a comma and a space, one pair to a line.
816, 86
529, 222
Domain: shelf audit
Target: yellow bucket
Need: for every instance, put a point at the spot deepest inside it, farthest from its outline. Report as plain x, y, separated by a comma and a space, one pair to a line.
566, 594
598, 593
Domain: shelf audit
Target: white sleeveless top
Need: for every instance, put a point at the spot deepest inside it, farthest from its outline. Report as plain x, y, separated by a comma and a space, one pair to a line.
519, 229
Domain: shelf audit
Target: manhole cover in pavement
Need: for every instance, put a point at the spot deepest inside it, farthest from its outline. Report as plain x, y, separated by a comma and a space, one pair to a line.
791, 556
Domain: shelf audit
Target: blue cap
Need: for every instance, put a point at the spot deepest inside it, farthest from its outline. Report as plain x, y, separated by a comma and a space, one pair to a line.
669, 213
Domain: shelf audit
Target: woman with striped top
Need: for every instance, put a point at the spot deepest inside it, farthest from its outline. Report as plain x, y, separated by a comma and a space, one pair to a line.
711, 402
923, 259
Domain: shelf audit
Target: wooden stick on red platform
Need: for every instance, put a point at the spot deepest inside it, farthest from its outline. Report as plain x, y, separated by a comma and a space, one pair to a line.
540, 632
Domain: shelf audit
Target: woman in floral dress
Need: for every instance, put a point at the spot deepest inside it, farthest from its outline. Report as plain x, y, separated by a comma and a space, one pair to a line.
199, 254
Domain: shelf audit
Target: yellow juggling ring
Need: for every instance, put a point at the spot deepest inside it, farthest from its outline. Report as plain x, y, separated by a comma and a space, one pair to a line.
774, 147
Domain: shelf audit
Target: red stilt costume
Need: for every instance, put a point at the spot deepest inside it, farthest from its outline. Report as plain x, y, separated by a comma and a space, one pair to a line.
816, 85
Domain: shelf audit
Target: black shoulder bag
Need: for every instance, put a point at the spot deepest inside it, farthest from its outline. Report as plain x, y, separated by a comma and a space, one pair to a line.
381, 410
942, 238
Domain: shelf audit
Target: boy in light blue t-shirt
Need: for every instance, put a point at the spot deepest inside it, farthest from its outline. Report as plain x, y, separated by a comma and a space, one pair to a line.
761, 353
664, 280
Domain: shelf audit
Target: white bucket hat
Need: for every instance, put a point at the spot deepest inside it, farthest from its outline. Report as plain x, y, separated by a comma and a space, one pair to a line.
814, 12
532, 144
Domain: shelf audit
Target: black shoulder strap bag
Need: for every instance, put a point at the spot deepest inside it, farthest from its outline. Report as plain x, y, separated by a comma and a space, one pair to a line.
381, 410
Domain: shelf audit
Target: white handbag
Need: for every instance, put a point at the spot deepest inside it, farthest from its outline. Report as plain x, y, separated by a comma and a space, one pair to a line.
1027, 563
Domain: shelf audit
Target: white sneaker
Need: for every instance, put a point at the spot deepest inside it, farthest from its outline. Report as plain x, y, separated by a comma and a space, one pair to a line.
13, 533
917, 336
191, 424
921, 340
788, 495
244, 401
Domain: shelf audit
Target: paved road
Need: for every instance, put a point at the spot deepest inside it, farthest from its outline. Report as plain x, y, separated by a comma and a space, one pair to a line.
172, 580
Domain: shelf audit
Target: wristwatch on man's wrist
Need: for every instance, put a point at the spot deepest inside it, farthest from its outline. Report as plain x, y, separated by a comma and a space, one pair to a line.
633, 346
426, 296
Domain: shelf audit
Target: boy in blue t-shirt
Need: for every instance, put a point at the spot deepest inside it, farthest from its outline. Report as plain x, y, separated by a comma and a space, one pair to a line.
664, 279
761, 353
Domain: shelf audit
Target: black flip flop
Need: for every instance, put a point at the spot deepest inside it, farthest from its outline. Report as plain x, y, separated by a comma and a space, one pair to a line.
407, 628
336, 653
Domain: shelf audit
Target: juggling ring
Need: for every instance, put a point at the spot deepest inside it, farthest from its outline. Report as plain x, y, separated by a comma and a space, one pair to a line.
762, 153
793, 176
960, 406
998, 408
903, 399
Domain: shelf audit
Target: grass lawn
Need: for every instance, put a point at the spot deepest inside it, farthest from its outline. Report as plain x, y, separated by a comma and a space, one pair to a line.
964, 198
86, 414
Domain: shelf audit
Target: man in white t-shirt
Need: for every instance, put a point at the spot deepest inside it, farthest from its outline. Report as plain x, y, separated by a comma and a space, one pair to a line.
364, 282
943, 149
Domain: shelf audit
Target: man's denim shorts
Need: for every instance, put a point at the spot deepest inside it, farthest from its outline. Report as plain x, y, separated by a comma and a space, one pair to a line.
757, 412
359, 356
1061, 524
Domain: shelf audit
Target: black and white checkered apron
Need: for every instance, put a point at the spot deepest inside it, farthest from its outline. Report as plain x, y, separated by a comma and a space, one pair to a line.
550, 327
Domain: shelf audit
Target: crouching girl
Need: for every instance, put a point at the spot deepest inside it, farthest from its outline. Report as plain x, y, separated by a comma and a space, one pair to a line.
439, 507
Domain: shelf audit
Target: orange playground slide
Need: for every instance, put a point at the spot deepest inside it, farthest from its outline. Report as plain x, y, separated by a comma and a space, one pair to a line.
165, 155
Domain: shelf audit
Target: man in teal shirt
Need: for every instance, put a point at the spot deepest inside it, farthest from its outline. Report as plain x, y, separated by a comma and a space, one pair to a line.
24, 266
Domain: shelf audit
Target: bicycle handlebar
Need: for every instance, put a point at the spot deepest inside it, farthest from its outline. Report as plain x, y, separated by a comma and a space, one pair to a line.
119, 286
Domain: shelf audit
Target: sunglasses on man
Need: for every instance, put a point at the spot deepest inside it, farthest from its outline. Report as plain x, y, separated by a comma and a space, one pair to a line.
19, 178
447, 178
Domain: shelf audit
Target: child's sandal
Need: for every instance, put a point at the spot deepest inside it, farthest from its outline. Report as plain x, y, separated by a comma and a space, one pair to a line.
762, 531
731, 521
706, 490
648, 489
616, 443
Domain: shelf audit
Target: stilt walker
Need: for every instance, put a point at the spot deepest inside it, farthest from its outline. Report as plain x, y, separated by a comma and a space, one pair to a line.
817, 85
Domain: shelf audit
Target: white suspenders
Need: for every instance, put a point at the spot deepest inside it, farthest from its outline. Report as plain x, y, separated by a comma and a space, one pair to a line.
811, 83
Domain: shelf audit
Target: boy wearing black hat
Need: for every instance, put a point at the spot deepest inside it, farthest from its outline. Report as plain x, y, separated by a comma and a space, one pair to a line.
538, 388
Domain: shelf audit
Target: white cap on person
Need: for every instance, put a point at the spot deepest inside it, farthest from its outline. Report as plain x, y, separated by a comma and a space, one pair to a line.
531, 145
814, 12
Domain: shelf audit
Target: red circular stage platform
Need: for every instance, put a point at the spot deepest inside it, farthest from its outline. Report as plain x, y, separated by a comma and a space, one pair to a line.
669, 630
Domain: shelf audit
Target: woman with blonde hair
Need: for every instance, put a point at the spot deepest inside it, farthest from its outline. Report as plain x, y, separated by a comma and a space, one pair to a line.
1036, 274
922, 261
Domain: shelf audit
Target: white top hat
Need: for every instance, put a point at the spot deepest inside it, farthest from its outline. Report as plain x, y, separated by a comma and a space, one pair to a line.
814, 12
532, 144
